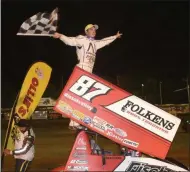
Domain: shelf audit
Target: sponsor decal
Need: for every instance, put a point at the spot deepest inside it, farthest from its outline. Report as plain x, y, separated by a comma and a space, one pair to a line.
81, 142
78, 101
64, 107
78, 168
79, 155
99, 120
39, 72
90, 54
120, 132
88, 88
146, 115
81, 148
78, 161
98, 126
155, 118
155, 125
101, 124
141, 111
109, 126
111, 134
78, 115
131, 143
87, 120
29, 98
139, 167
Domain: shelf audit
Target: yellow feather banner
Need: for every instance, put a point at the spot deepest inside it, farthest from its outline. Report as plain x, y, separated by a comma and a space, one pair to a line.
33, 87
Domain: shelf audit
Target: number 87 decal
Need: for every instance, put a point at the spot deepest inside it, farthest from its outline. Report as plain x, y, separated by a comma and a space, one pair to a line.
83, 86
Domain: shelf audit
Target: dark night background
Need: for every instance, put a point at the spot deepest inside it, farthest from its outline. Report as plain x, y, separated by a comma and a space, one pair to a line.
153, 48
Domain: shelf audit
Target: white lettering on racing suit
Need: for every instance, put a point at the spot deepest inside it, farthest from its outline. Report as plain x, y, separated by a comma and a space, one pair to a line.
86, 49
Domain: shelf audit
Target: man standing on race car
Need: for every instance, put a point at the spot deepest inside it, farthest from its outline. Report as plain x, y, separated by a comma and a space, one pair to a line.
24, 146
86, 48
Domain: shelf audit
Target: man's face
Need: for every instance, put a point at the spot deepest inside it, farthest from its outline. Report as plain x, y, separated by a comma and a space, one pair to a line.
22, 129
91, 32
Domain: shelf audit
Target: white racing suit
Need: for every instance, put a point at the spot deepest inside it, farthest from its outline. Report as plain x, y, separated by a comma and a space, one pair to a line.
24, 145
86, 49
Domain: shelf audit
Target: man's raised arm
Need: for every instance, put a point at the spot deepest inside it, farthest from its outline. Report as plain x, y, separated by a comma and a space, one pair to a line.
72, 41
106, 41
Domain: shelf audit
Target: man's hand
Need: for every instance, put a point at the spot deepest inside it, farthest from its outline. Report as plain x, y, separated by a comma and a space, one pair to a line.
7, 152
57, 35
118, 35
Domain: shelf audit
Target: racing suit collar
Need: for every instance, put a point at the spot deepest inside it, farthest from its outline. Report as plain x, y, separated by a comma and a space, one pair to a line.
24, 131
91, 38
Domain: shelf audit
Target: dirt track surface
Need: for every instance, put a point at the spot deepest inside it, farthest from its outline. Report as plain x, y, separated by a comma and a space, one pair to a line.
54, 142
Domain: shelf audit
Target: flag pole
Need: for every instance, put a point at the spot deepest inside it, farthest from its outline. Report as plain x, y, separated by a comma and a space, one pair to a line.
30, 34
9, 129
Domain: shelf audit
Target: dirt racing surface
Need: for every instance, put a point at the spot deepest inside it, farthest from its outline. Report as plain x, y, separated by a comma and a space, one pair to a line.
54, 142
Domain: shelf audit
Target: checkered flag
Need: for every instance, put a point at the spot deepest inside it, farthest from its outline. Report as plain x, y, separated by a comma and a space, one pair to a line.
41, 24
